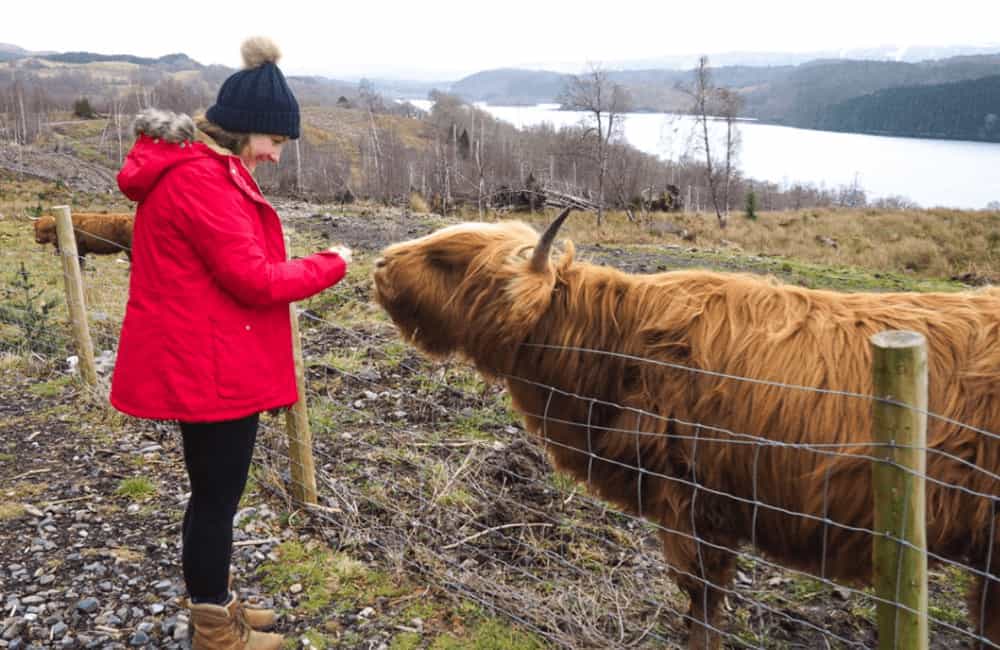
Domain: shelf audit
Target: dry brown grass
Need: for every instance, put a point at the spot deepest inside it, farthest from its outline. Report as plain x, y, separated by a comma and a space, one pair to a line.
417, 203
925, 243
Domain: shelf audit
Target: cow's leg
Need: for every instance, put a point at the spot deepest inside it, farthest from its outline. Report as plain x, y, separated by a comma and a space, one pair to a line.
699, 569
984, 595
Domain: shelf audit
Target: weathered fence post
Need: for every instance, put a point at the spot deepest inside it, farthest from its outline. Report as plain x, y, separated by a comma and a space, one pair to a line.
899, 366
74, 293
300, 455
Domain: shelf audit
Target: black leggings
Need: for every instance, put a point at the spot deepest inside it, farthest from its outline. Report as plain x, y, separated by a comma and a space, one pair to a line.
217, 456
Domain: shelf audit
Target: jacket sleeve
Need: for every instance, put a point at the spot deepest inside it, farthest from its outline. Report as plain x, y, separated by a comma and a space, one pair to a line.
222, 233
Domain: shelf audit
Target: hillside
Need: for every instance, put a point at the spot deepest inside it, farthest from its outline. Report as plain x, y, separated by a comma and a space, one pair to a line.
964, 109
794, 95
175, 81
511, 86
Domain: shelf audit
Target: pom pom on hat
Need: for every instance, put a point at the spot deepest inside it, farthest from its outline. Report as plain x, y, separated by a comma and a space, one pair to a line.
258, 50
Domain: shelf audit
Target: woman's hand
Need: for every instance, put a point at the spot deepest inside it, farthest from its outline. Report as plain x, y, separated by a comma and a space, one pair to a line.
343, 251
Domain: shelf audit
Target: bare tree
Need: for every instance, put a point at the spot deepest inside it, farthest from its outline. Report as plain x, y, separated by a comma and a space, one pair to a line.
730, 104
706, 101
605, 102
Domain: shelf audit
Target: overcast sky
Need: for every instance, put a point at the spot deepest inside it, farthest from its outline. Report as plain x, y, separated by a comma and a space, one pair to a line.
450, 38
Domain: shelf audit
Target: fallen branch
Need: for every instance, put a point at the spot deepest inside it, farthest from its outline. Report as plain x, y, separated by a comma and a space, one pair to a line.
257, 542
491, 530
34, 471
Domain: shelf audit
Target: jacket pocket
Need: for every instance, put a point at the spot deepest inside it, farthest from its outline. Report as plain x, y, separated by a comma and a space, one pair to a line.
243, 366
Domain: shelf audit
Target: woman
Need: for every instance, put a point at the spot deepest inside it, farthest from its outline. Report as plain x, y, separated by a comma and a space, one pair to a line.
207, 338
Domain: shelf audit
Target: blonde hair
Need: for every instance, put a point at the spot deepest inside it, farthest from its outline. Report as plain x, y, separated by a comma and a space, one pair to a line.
234, 142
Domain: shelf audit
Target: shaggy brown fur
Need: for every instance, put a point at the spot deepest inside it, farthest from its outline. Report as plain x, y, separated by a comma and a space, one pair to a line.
470, 290
97, 233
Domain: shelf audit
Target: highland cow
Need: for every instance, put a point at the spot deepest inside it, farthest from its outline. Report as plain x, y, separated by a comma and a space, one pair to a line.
702, 468
97, 233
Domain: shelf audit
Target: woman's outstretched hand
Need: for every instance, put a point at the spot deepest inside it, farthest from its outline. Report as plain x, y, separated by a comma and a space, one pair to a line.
343, 251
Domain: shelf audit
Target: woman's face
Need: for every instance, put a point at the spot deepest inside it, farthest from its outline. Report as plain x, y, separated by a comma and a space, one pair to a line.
262, 148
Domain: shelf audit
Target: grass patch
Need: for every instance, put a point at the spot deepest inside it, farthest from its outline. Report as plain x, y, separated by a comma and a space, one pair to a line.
405, 641
326, 415
251, 491
317, 640
472, 425
328, 579
137, 488
26, 490
948, 588
10, 510
349, 360
490, 634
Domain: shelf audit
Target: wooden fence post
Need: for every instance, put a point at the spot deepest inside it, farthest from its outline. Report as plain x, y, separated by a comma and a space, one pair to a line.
899, 366
74, 293
300, 455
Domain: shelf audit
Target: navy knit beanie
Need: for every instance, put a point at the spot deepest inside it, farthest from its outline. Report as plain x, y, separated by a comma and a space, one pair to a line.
256, 99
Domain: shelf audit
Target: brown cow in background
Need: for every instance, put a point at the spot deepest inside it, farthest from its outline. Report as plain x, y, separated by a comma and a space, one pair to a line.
97, 233
599, 364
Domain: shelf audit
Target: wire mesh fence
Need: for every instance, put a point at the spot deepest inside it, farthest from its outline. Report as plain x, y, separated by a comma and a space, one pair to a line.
427, 468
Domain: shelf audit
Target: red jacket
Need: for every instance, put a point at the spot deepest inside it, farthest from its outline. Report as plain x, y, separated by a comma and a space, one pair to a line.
206, 335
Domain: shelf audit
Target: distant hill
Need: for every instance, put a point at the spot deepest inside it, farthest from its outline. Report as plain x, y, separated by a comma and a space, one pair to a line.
964, 109
511, 86
173, 60
906, 54
795, 95
10, 52
802, 96
178, 81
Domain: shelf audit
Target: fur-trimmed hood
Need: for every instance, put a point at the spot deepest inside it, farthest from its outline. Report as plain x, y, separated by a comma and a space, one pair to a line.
164, 125
164, 139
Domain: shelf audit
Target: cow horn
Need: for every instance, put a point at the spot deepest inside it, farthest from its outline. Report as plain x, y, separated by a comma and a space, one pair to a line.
540, 258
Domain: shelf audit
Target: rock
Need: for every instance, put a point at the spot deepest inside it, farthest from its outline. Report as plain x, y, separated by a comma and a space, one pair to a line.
243, 515
296, 588
13, 630
87, 605
59, 630
140, 638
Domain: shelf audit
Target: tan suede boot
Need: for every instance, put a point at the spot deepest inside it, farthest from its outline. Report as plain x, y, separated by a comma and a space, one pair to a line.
258, 617
224, 627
